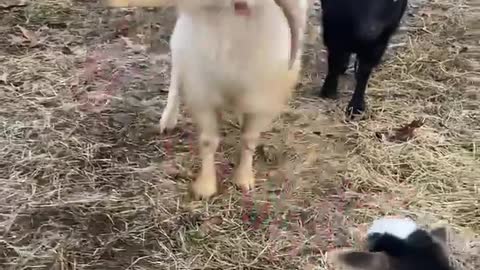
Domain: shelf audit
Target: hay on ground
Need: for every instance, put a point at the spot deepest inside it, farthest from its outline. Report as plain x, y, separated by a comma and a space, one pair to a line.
88, 183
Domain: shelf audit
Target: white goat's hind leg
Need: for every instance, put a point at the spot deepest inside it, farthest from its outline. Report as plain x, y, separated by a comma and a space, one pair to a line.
206, 183
169, 117
252, 126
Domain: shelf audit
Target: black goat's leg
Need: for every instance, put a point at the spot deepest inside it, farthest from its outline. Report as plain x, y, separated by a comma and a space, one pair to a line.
367, 61
357, 103
337, 64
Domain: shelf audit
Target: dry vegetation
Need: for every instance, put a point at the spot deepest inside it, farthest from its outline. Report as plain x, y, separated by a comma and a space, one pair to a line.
88, 183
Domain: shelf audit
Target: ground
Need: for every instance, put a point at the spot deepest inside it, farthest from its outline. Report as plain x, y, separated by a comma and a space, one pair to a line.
87, 182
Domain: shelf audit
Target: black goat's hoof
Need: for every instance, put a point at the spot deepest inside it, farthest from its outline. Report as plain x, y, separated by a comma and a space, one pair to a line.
328, 93
354, 111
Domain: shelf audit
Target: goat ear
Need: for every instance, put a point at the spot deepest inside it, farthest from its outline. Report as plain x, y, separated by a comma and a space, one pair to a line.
440, 234
357, 260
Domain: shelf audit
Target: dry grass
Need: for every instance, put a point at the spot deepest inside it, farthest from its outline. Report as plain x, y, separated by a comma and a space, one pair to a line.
87, 183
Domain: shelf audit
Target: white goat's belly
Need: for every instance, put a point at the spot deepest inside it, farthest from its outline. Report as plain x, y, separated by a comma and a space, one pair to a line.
236, 59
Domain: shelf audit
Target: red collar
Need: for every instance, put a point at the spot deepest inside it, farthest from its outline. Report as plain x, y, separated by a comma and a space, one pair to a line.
241, 8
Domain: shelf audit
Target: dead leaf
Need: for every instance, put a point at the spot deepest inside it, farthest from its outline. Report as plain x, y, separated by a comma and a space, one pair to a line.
29, 35
402, 134
208, 225
407, 132
216, 221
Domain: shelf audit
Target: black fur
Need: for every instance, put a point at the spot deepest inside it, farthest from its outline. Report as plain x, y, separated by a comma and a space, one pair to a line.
362, 27
418, 252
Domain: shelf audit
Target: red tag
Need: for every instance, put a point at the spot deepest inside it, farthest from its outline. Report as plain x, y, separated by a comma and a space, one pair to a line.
241, 8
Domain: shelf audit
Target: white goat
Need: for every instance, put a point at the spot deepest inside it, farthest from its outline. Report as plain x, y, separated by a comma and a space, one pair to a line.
241, 54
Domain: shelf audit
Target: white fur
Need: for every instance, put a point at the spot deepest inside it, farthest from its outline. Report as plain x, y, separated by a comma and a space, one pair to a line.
399, 227
221, 60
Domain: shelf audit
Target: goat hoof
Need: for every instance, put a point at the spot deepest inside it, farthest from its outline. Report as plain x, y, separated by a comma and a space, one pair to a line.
168, 122
328, 93
245, 182
355, 110
203, 189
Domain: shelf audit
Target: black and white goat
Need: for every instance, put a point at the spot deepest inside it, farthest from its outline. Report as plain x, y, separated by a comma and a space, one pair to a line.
357, 27
396, 244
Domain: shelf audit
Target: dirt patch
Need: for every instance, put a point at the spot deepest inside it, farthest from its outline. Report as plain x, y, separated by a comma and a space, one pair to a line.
88, 183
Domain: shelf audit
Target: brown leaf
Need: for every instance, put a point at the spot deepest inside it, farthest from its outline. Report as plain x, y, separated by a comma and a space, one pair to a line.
30, 35
402, 134
215, 221
407, 132
208, 225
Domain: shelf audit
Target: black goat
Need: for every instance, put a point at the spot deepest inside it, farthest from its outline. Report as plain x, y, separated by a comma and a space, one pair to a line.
362, 27
397, 244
